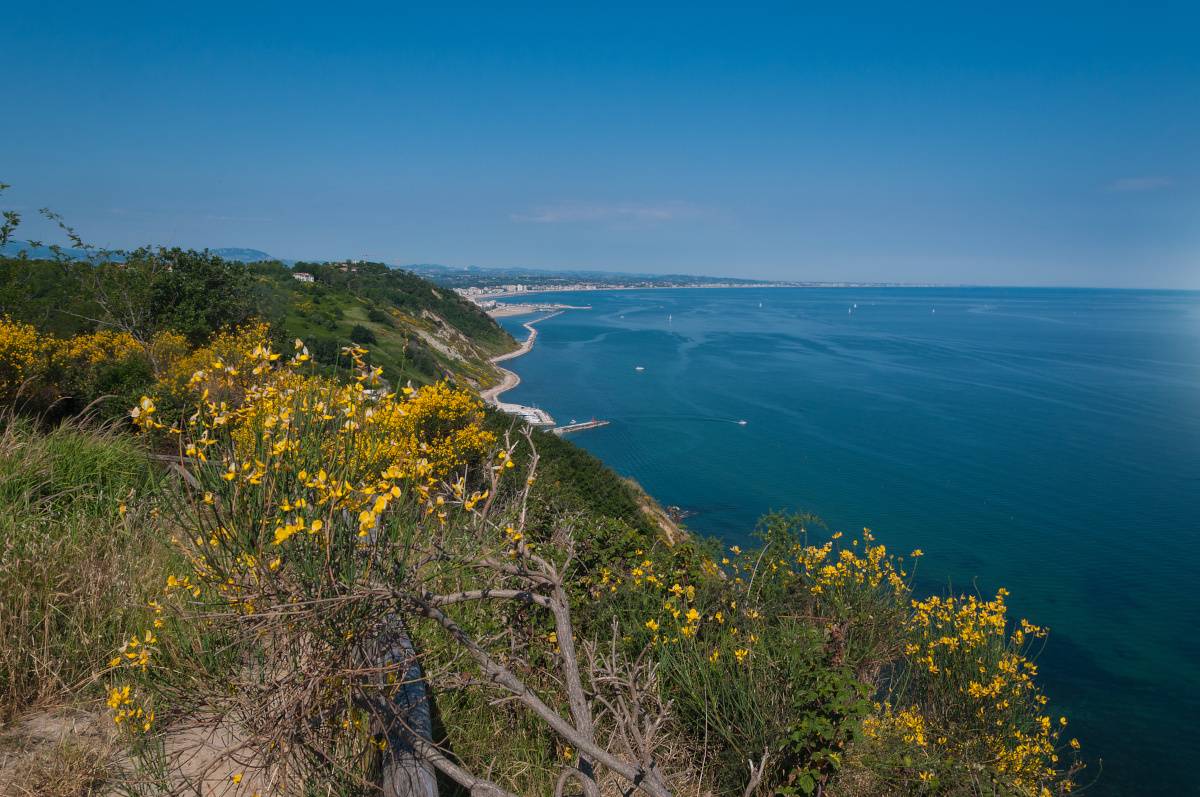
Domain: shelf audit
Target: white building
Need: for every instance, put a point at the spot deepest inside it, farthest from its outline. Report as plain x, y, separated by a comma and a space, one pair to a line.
303, 276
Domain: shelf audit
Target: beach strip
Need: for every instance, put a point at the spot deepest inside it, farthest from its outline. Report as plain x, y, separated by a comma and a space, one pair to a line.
509, 380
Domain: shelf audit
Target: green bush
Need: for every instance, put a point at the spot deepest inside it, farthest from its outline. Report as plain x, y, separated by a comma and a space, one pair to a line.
360, 334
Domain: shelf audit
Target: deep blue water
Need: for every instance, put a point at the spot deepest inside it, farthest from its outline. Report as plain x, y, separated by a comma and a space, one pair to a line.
1047, 441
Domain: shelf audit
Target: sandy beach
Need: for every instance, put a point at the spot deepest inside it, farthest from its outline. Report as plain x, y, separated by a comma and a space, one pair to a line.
503, 310
509, 379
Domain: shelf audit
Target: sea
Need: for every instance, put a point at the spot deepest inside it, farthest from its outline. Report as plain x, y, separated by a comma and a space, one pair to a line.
1042, 440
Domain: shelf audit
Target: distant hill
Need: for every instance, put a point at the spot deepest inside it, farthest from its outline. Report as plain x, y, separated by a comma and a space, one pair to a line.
244, 255
449, 276
45, 252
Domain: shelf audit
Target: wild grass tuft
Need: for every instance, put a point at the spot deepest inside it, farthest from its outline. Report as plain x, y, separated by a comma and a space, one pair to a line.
75, 569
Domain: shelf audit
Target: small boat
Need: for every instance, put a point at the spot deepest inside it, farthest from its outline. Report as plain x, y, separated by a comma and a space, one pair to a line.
743, 422
639, 368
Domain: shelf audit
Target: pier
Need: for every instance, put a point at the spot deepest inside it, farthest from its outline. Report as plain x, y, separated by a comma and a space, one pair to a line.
578, 427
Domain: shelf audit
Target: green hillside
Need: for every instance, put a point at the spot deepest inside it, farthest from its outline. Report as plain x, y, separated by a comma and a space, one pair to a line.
413, 330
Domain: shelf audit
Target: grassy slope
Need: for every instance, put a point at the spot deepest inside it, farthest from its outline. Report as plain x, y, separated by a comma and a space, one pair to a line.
420, 332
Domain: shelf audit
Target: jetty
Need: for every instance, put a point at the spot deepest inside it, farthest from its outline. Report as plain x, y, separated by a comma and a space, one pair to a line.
578, 427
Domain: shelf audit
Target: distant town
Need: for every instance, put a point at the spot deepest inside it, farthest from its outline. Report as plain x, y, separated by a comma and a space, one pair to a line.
486, 296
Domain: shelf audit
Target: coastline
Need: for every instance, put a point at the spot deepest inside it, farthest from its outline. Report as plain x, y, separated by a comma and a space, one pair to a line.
510, 380
569, 289
506, 309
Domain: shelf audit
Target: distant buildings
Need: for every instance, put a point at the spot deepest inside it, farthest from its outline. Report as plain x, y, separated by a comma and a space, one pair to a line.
497, 290
303, 276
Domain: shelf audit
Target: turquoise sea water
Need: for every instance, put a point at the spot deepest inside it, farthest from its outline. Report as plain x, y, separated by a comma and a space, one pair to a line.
1047, 441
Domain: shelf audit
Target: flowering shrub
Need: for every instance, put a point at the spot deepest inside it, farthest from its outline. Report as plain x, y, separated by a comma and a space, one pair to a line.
306, 495
779, 649
44, 369
968, 703
23, 353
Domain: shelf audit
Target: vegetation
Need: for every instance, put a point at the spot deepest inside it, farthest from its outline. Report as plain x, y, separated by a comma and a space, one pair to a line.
78, 556
304, 576
415, 331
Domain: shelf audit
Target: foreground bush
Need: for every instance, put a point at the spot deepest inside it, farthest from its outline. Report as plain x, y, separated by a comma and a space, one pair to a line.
340, 540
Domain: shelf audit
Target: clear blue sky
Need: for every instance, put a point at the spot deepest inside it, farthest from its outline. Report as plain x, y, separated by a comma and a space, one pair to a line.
965, 142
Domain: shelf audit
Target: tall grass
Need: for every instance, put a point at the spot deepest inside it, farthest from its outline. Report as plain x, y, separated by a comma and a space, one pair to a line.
75, 570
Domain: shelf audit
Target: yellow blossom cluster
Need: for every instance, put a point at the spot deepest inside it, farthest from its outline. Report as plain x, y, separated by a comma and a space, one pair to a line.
908, 724
293, 465
977, 673
720, 625
36, 362
126, 710
837, 573
23, 354
136, 651
102, 346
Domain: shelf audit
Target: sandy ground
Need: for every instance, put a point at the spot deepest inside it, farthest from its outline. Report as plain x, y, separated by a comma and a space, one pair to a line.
509, 380
505, 310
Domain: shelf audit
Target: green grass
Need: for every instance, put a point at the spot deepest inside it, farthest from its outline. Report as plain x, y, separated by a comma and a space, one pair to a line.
74, 574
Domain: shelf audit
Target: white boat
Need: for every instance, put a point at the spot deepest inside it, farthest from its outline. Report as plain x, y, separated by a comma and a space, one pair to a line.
743, 422
639, 368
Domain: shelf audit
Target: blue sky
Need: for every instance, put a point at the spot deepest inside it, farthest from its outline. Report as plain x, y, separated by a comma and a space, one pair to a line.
984, 143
